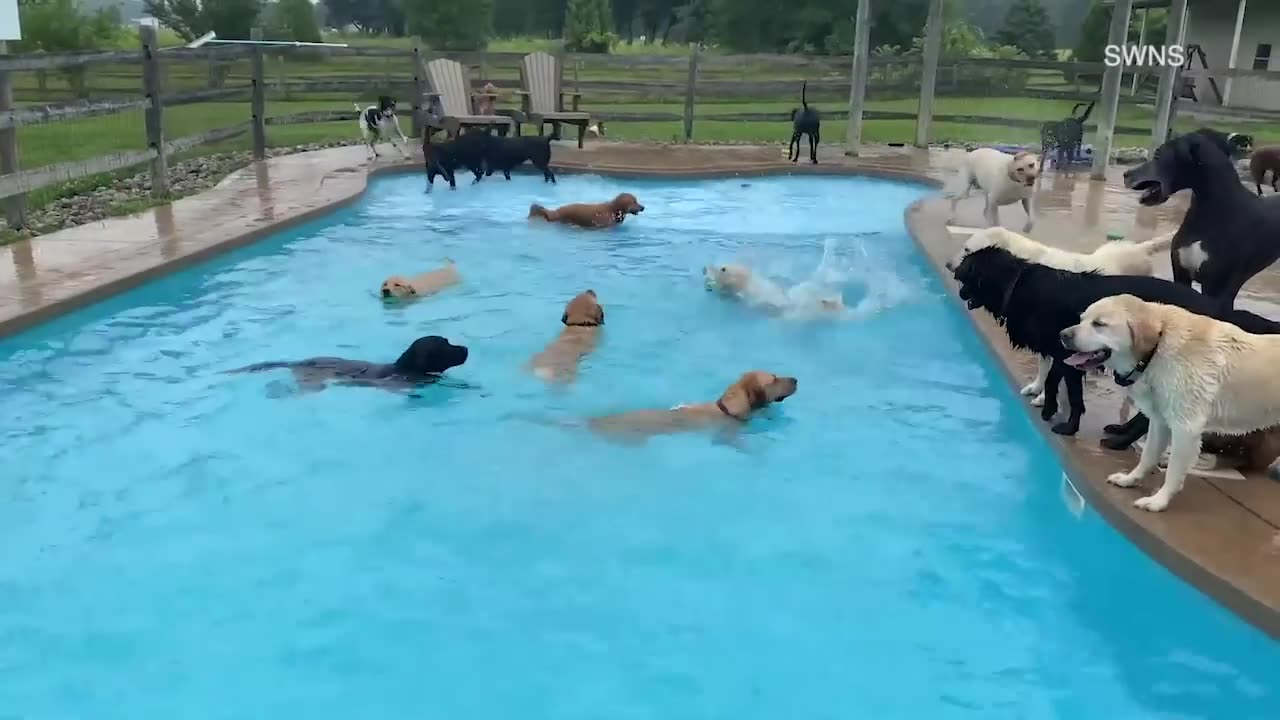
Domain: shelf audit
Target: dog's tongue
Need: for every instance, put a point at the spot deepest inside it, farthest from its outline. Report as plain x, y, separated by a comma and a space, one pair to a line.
1083, 359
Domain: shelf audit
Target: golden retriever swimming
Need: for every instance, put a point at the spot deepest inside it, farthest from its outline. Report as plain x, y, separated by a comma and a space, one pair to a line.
1189, 374
752, 391
591, 215
741, 282
583, 317
398, 287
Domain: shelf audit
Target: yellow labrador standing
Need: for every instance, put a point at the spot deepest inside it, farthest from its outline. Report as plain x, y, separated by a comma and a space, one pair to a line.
583, 317
751, 392
1188, 373
398, 287
1003, 178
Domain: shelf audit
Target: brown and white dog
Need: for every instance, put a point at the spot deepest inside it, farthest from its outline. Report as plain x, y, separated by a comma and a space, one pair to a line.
398, 287
1003, 178
591, 215
753, 391
1265, 160
583, 317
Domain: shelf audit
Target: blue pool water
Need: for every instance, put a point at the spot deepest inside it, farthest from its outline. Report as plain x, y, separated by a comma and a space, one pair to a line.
891, 542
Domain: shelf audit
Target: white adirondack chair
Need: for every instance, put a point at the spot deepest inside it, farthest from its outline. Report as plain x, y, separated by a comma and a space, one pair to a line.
451, 100
542, 96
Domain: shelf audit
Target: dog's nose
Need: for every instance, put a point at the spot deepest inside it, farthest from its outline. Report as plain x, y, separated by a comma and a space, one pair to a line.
1066, 335
950, 266
386, 292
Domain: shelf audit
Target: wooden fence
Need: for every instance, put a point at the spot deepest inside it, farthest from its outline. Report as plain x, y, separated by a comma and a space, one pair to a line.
261, 75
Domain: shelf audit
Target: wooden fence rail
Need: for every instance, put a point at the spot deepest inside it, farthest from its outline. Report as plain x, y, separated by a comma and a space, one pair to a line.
688, 81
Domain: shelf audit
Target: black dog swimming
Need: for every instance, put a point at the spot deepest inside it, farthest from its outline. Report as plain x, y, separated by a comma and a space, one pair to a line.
1064, 136
507, 153
1229, 234
444, 159
804, 121
421, 364
1035, 303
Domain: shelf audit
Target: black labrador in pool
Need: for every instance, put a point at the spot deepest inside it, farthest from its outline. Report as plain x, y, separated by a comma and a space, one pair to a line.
1229, 234
421, 364
1036, 303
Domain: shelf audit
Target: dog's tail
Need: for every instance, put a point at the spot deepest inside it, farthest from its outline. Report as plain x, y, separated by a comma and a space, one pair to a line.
537, 211
804, 94
1157, 244
259, 367
1087, 111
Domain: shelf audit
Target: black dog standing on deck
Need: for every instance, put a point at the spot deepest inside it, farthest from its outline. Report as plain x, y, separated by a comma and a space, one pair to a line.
1035, 303
465, 151
804, 121
1229, 234
507, 153
1064, 137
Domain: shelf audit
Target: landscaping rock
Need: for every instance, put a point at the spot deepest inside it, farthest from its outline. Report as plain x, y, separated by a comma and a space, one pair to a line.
185, 178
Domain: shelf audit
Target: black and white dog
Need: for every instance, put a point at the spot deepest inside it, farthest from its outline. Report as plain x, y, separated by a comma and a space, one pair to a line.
377, 123
1064, 137
1229, 234
804, 121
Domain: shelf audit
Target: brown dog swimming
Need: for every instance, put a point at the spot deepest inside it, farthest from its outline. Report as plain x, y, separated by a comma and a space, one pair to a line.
752, 391
583, 317
591, 215
398, 287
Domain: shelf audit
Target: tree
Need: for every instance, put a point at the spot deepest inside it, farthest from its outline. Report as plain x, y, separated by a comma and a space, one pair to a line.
367, 16
587, 26
62, 26
696, 20
296, 20
1027, 26
1093, 34
451, 24
230, 19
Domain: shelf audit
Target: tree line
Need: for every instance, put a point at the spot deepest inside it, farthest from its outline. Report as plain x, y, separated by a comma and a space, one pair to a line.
1025, 27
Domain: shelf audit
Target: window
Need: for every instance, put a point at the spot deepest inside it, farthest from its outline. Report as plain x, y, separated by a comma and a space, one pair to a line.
1262, 58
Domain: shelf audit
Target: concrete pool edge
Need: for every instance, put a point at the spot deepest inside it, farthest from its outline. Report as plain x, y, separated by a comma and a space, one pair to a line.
927, 226
64, 271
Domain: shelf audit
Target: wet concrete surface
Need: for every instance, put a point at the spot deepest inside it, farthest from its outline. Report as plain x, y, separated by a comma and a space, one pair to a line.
1221, 535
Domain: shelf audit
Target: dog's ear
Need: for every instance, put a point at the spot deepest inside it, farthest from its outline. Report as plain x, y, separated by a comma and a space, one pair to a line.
564, 318
1145, 328
600, 314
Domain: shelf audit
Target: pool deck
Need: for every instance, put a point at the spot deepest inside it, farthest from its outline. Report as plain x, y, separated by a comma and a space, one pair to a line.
1221, 535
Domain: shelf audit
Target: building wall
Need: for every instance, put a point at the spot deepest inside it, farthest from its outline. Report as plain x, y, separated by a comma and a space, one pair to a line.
1210, 24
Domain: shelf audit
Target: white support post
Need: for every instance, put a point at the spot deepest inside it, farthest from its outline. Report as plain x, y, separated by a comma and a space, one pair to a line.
1232, 62
1176, 21
1142, 40
858, 81
1102, 145
929, 73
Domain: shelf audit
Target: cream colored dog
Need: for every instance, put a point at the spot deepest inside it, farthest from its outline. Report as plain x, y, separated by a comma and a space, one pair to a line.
741, 282
1188, 373
398, 287
1003, 178
1117, 257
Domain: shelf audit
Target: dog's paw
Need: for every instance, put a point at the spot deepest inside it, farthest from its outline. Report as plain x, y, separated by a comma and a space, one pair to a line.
1067, 427
1115, 428
1038, 400
1033, 388
1048, 411
1116, 442
1122, 479
1152, 503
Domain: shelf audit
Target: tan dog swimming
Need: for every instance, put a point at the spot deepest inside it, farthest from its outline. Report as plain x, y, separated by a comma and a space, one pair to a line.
583, 317
752, 391
398, 287
591, 215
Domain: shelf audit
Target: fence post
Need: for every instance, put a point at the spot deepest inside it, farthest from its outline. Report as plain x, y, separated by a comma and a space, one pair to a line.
690, 88
259, 100
929, 76
15, 208
419, 91
1176, 16
1102, 145
858, 79
154, 116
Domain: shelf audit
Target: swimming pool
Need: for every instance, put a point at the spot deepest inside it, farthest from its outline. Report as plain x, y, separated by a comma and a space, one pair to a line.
891, 542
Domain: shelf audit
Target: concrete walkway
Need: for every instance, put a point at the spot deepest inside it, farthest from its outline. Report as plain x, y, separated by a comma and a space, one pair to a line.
1221, 535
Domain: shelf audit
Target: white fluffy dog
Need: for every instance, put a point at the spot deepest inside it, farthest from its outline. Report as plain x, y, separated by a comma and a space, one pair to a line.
1003, 178
1189, 374
1116, 257
741, 282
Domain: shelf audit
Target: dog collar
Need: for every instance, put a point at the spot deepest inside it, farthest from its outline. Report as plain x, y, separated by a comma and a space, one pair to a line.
1131, 377
1008, 293
583, 324
725, 410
